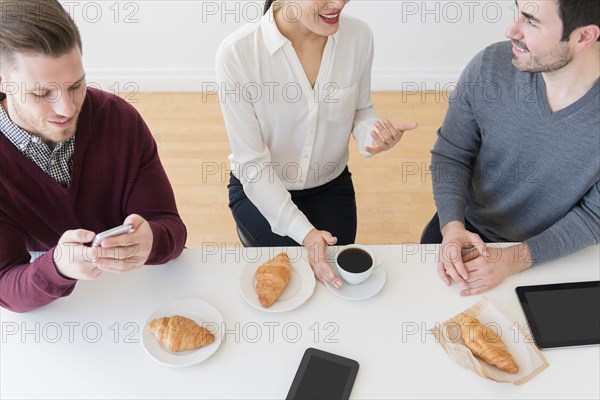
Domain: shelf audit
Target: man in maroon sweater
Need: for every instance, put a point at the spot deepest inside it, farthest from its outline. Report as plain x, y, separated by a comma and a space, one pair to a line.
74, 161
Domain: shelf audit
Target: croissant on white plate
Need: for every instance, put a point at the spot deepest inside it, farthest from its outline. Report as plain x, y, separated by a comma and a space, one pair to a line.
178, 333
272, 278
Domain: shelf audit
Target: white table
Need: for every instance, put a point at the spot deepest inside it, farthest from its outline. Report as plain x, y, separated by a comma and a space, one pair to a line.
88, 344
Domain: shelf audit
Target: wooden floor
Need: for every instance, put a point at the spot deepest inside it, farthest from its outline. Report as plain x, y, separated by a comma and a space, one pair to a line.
393, 189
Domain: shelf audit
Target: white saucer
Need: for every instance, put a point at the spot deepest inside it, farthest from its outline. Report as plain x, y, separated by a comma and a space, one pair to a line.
368, 288
299, 289
195, 309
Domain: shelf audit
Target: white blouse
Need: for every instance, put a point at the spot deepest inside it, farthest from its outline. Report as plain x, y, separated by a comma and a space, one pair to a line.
284, 134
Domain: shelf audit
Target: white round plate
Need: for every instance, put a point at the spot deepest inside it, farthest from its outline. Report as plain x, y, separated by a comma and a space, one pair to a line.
299, 289
368, 288
195, 309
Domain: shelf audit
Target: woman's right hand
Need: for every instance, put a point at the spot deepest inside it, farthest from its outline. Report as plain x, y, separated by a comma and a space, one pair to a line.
316, 242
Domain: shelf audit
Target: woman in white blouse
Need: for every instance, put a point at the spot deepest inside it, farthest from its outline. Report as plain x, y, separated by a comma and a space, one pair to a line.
293, 88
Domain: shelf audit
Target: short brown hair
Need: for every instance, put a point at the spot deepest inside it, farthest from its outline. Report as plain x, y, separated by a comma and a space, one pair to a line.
35, 26
577, 13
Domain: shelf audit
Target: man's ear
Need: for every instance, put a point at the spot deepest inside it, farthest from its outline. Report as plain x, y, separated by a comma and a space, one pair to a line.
585, 37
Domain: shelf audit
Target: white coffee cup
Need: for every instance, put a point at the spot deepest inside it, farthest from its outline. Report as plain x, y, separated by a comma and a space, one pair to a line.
355, 263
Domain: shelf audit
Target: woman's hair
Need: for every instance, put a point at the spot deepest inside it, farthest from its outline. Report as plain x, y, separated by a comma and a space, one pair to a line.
36, 26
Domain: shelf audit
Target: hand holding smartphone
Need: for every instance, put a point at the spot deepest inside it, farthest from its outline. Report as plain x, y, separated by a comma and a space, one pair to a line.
116, 231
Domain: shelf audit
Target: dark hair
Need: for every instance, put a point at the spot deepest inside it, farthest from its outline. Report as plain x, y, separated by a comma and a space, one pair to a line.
267, 5
577, 13
36, 26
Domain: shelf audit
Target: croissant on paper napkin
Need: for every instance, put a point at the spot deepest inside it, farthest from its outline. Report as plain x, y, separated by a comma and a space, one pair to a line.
485, 343
272, 278
179, 333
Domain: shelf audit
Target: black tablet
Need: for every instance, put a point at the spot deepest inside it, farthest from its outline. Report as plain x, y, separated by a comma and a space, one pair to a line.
323, 375
563, 314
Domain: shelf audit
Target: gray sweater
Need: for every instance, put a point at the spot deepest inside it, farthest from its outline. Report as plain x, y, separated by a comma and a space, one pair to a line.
513, 168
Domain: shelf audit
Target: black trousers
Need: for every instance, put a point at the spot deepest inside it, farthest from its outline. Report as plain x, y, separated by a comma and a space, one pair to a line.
432, 233
330, 207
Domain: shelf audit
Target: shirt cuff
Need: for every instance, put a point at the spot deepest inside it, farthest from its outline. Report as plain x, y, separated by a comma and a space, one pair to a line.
367, 143
452, 210
155, 251
543, 248
362, 134
47, 278
299, 228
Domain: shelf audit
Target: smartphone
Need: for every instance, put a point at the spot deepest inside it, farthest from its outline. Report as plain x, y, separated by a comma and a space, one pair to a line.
323, 375
119, 230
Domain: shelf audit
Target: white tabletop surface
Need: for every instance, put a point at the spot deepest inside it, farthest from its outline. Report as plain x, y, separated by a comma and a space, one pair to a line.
88, 345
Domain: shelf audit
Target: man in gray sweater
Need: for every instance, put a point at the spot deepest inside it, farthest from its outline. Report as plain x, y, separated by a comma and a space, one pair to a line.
517, 158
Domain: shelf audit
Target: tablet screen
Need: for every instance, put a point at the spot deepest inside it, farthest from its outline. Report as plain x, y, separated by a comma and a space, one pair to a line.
562, 315
323, 379
323, 375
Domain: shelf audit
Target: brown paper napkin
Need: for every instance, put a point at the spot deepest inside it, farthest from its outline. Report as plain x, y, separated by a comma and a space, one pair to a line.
530, 360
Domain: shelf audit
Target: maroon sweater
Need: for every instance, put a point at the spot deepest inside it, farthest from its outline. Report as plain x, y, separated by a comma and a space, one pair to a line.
116, 172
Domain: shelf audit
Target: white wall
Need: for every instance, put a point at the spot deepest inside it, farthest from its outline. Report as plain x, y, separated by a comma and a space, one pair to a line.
151, 45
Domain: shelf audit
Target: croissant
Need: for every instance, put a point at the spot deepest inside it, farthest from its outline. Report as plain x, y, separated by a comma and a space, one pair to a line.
272, 278
486, 344
179, 333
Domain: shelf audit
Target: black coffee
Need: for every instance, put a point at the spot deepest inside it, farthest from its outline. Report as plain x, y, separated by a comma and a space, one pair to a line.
354, 260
